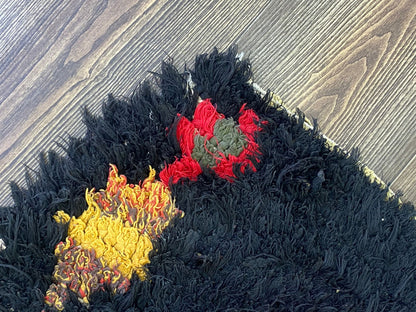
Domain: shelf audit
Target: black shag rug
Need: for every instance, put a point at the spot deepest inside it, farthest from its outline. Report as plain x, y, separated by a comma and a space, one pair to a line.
294, 225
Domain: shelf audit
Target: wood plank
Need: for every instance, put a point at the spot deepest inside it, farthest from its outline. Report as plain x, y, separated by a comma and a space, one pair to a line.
350, 64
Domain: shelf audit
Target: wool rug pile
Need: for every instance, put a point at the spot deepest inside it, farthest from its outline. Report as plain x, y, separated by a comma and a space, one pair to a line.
197, 194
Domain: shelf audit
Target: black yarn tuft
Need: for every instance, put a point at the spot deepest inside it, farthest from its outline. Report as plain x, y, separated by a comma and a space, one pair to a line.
306, 232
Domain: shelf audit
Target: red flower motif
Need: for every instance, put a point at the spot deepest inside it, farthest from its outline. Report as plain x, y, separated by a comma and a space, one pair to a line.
212, 140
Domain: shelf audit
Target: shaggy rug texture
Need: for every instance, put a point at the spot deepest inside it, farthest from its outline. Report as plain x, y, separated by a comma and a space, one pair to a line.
196, 194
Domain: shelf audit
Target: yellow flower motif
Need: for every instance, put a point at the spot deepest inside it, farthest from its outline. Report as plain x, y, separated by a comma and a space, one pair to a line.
112, 238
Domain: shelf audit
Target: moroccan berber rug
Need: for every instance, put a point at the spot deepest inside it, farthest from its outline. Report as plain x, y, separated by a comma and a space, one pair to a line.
200, 193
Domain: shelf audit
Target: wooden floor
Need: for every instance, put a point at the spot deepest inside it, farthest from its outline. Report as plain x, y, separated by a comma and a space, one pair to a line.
350, 64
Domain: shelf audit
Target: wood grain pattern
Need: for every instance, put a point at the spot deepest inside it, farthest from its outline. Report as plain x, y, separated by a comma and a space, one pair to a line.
350, 64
